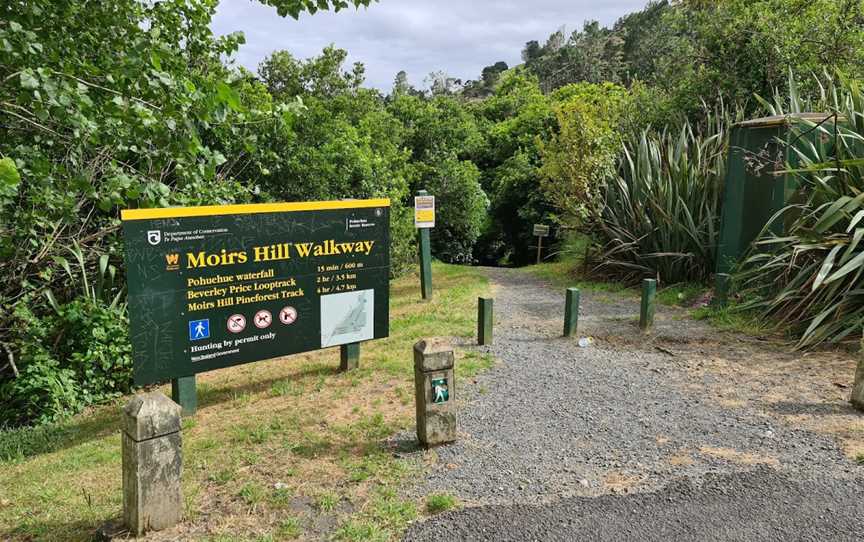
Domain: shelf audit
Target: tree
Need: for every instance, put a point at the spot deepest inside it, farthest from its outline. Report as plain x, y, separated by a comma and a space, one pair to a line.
581, 156
295, 7
321, 76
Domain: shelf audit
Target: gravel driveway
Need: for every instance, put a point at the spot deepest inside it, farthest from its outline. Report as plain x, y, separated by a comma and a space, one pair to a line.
628, 438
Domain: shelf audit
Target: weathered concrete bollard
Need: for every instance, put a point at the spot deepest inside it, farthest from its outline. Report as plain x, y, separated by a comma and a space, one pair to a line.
646, 314
485, 320
857, 398
435, 389
152, 463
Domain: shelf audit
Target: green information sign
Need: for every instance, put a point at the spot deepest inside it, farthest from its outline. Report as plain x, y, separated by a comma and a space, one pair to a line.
212, 287
440, 391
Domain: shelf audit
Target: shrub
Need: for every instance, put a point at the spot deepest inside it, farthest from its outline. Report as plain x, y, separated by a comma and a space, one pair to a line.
661, 215
809, 278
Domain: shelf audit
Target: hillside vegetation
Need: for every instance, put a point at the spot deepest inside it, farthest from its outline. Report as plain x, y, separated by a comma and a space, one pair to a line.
618, 134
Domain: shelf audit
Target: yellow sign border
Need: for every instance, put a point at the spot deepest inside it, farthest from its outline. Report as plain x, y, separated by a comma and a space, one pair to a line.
249, 208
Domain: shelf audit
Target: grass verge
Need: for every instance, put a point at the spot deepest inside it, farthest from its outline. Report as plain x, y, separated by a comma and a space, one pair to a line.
279, 449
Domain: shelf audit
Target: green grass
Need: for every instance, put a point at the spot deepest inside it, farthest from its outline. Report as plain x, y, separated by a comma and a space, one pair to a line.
860, 459
565, 274
295, 421
289, 529
472, 364
730, 319
681, 295
441, 502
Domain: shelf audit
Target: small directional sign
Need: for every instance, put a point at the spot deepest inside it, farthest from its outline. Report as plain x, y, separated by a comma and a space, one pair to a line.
424, 211
541, 230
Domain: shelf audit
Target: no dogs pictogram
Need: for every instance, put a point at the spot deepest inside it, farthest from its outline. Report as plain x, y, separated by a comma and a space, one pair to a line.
236, 323
263, 319
288, 315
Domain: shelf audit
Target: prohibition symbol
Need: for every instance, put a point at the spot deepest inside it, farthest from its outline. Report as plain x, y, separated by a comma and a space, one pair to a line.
263, 319
236, 323
288, 315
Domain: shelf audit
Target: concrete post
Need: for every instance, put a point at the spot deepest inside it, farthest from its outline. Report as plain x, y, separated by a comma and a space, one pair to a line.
435, 391
152, 463
857, 398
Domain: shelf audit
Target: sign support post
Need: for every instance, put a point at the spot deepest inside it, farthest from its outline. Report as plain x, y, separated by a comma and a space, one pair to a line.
424, 220
349, 357
185, 394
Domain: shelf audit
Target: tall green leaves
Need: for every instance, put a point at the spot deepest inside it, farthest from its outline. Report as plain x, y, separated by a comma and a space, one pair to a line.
661, 213
811, 278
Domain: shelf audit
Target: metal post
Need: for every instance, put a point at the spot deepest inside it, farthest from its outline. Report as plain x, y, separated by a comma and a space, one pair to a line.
646, 316
484, 320
349, 357
425, 259
185, 394
571, 312
722, 282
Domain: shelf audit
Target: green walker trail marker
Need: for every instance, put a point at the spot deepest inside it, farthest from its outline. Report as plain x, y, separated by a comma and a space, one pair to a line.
424, 220
485, 320
571, 312
646, 316
213, 287
722, 283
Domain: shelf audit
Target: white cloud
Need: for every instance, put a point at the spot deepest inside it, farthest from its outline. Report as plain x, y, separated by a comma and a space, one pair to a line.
418, 36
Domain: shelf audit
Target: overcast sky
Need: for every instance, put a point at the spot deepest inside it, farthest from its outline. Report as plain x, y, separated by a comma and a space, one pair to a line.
418, 36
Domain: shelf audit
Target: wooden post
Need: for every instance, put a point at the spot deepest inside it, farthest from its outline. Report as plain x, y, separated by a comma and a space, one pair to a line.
425, 259
571, 312
349, 357
185, 394
539, 247
646, 316
721, 289
484, 320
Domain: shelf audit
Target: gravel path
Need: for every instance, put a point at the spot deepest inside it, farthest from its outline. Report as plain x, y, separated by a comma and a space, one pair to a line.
616, 441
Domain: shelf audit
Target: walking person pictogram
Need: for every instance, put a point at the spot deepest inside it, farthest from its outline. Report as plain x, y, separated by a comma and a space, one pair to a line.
199, 329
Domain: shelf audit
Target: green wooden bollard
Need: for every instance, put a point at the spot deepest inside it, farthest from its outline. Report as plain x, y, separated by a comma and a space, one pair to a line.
571, 312
185, 394
349, 357
425, 259
646, 316
722, 284
484, 320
